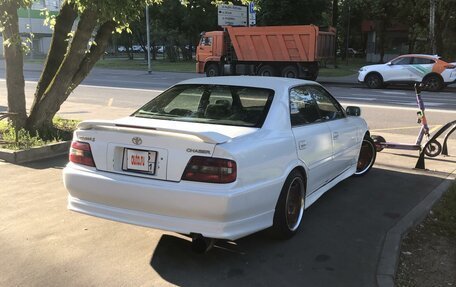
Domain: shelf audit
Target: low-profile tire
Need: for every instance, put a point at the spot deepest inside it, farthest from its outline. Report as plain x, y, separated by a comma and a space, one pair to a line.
290, 71
266, 71
290, 206
212, 70
433, 149
377, 140
374, 81
366, 158
433, 83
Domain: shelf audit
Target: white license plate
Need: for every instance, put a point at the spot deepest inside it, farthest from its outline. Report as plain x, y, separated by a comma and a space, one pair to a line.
139, 160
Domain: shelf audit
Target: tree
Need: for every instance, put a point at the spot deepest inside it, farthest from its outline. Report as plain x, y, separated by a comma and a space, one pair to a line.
71, 56
13, 49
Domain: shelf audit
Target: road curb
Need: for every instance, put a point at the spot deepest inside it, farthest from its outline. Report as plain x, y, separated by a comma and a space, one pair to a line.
36, 153
389, 255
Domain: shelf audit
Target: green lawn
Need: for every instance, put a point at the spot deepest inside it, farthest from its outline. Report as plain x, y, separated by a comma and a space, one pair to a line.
343, 68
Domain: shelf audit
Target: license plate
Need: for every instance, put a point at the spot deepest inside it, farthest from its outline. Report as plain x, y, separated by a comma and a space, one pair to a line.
139, 160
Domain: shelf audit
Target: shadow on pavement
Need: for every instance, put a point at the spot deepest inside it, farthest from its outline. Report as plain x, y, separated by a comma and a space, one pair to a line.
338, 244
58, 162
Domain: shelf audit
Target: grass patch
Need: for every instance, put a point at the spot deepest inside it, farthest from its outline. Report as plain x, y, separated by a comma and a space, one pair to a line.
141, 64
443, 217
23, 140
343, 69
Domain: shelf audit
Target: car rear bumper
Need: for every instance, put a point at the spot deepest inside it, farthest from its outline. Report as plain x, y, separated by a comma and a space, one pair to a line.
173, 206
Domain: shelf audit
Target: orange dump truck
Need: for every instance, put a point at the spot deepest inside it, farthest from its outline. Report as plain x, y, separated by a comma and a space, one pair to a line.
287, 51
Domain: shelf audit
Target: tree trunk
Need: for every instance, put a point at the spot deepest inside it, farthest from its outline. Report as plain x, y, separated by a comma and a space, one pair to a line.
58, 49
96, 51
14, 63
41, 117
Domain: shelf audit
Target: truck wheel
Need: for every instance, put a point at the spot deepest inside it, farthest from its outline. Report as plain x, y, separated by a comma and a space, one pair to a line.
290, 206
266, 71
290, 72
212, 70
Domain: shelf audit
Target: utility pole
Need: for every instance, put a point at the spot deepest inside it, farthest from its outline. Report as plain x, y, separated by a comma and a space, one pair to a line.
149, 69
348, 34
432, 26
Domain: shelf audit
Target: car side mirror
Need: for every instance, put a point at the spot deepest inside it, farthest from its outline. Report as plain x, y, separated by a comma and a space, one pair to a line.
353, 111
389, 64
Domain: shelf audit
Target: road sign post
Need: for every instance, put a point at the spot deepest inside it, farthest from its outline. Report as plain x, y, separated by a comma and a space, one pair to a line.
232, 15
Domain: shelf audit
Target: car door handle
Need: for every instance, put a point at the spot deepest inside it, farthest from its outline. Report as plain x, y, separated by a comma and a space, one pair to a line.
335, 135
302, 145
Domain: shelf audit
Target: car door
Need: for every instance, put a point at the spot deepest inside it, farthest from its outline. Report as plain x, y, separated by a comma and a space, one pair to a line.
398, 70
344, 133
312, 136
421, 67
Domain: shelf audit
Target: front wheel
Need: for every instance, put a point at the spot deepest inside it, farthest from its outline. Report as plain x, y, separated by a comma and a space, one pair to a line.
212, 70
374, 81
433, 149
366, 158
290, 206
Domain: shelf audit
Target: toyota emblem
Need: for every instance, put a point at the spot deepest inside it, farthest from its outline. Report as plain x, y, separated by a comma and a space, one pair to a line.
136, 140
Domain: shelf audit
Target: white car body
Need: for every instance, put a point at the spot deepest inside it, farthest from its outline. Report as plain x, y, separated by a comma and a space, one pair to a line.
411, 68
327, 152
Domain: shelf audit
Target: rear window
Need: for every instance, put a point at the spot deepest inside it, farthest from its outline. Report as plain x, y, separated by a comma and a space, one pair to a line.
212, 104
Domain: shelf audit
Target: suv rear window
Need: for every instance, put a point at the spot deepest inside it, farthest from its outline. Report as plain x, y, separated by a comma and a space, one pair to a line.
211, 104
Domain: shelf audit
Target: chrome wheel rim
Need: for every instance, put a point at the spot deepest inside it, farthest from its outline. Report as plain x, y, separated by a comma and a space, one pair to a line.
366, 157
294, 204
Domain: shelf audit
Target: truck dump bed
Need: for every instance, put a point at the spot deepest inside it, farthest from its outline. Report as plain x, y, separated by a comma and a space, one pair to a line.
303, 43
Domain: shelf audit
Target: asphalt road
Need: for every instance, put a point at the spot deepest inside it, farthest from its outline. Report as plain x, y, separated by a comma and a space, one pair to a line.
43, 244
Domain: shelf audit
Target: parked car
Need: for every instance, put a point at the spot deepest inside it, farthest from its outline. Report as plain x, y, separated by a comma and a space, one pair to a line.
219, 157
407, 69
121, 49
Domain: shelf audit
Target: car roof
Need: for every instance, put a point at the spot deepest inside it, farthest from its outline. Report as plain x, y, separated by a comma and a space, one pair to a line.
274, 83
420, 55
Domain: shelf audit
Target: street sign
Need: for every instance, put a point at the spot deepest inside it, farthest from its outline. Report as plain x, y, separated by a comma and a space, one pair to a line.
232, 15
252, 14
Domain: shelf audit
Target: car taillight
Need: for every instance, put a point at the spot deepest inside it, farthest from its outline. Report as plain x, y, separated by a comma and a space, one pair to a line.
208, 169
81, 153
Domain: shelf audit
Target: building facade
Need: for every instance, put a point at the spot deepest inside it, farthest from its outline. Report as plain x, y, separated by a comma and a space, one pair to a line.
31, 22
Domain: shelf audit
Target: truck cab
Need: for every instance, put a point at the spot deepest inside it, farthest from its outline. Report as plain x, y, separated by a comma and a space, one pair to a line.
209, 52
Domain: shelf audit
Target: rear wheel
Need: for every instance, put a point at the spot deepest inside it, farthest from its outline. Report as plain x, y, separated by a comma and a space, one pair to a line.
366, 157
374, 81
212, 70
266, 71
377, 141
290, 206
290, 71
433, 83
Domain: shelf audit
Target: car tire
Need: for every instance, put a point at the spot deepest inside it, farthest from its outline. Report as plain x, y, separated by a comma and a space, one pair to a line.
212, 70
374, 81
290, 71
290, 206
433, 83
366, 158
266, 71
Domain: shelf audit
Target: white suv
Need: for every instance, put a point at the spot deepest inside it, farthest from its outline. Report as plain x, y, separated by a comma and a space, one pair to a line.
406, 69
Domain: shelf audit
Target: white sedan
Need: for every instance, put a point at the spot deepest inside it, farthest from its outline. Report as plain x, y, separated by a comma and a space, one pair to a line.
219, 157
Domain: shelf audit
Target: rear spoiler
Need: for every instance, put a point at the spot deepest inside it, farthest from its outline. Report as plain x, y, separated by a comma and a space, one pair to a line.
207, 137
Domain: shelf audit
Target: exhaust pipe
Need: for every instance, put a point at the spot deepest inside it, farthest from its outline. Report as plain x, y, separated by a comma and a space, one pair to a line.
201, 244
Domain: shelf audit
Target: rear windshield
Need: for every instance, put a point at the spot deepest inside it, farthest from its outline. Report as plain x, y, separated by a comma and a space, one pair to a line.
211, 104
